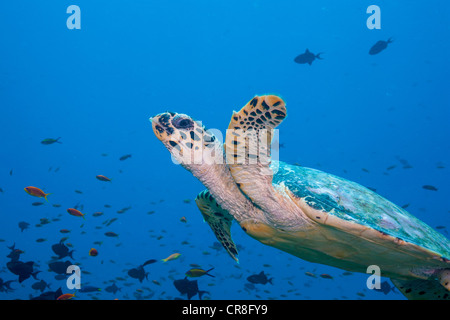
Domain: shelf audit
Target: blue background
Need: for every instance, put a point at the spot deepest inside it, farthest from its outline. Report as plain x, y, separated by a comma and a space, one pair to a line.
350, 114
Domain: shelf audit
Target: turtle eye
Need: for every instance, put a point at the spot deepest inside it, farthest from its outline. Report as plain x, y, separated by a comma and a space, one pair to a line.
182, 123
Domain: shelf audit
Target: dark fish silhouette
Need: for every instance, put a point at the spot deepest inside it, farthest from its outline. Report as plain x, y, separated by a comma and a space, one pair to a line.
379, 46
259, 278
307, 57
22, 269
112, 288
188, 287
5, 285
23, 225
149, 262
14, 255
86, 289
111, 234
125, 157
50, 141
138, 273
59, 267
40, 285
385, 287
48, 295
62, 250
429, 187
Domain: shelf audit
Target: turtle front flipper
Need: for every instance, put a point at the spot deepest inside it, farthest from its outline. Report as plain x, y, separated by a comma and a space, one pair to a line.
251, 130
219, 220
248, 153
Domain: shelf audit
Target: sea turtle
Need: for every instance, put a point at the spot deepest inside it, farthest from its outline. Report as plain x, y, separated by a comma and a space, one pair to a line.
313, 215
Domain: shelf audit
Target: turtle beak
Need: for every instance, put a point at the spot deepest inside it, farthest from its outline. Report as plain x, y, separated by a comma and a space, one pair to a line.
155, 119
160, 125
157, 129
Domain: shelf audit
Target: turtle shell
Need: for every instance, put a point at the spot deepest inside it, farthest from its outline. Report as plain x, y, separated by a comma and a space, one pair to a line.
361, 213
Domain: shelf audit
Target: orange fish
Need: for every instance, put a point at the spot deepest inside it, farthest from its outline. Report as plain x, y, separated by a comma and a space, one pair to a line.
173, 256
66, 296
75, 212
103, 178
36, 192
93, 252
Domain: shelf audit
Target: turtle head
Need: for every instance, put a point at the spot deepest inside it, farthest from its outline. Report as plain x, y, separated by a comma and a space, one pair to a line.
188, 141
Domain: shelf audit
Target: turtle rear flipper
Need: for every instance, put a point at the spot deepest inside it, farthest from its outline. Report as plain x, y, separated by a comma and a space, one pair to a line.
419, 289
219, 220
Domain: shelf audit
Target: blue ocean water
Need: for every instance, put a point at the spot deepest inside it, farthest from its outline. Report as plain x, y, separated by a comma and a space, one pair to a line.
380, 120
